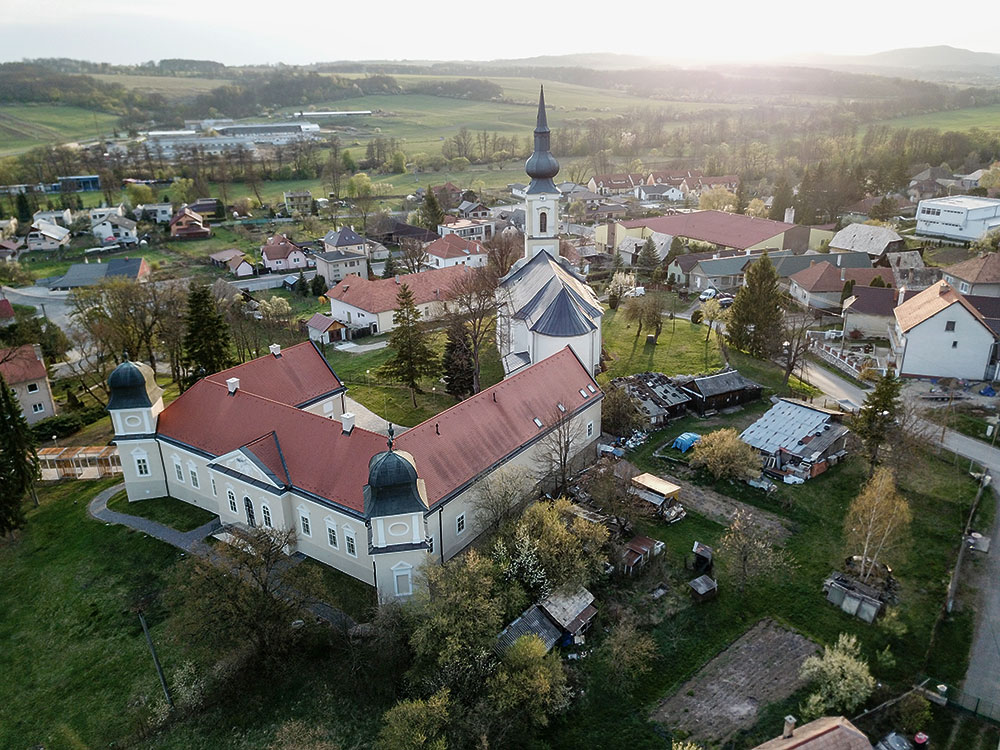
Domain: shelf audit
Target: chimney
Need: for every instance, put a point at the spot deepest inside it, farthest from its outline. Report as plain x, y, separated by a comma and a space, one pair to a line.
397, 278
840, 258
347, 420
233, 384
789, 727
275, 349
943, 288
790, 215
900, 295
437, 428
843, 274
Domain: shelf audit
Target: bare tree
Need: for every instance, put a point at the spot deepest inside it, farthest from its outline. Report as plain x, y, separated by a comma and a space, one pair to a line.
498, 498
795, 341
474, 299
749, 552
414, 256
877, 521
554, 460
502, 251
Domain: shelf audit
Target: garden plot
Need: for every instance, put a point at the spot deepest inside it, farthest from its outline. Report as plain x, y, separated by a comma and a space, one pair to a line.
760, 667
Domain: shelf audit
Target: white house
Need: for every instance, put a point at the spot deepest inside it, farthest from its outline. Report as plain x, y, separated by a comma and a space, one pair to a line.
345, 240
334, 265
479, 230
452, 250
267, 444
101, 213
115, 228
979, 275
281, 254
958, 217
45, 236
161, 213
62, 217
939, 333
670, 193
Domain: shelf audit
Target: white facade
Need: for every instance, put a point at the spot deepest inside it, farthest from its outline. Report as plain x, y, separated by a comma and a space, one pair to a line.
541, 224
106, 229
958, 217
479, 230
161, 213
473, 260
950, 344
380, 322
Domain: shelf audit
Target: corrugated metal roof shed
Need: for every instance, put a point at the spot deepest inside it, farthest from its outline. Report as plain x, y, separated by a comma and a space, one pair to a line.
533, 621
792, 427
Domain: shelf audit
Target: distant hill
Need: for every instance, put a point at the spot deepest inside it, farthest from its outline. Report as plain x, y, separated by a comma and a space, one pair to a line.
594, 61
939, 63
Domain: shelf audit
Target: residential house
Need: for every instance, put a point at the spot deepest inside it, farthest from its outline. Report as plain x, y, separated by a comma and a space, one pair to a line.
209, 208
243, 444
614, 184
452, 250
472, 210
45, 236
727, 272
563, 617
710, 393
958, 217
8, 228
608, 210
942, 333
788, 265
877, 241
448, 195
728, 182
7, 315
10, 249
324, 329
674, 176
115, 229
63, 218
395, 231
235, 261
719, 228
24, 371
189, 225
908, 270
345, 240
869, 310
797, 440
280, 255
479, 230
668, 193
925, 189
860, 211
161, 213
971, 180
369, 305
632, 246
826, 733
979, 275
91, 274
821, 285
680, 266
334, 265
517, 189
102, 212
298, 202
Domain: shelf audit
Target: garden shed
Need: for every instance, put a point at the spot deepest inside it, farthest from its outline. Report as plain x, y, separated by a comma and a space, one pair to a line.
723, 390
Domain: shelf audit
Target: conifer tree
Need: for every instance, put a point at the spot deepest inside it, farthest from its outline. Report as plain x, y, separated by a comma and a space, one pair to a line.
317, 285
19, 466
431, 213
414, 359
876, 419
755, 317
206, 338
782, 200
457, 362
390, 267
647, 260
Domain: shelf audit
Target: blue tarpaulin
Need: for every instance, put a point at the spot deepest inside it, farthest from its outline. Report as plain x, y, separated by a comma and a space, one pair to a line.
988, 391
684, 441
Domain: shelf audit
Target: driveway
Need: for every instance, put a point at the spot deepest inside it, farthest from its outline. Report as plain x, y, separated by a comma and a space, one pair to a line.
53, 304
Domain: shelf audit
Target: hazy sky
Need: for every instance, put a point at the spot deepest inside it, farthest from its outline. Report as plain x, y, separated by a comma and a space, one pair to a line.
255, 31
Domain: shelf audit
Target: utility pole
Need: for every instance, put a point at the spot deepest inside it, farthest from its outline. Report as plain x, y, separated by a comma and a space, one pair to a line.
156, 661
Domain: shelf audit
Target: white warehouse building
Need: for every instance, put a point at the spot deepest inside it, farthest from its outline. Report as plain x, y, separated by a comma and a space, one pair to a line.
958, 217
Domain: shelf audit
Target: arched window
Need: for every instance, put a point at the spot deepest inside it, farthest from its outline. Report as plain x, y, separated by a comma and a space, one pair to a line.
248, 506
543, 222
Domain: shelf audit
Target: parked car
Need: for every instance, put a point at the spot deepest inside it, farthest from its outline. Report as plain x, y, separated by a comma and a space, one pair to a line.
725, 301
638, 291
708, 294
894, 741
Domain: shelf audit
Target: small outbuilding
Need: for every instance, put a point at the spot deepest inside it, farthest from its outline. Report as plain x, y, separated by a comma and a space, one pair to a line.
659, 493
712, 393
797, 441
703, 588
702, 558
638, 551
323, 329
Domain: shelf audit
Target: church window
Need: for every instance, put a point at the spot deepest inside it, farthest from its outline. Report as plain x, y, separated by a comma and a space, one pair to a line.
304, 523
194, 476
265, 514
178, 470
331, 535
141, 465
543, 222
350, 543
232, 501
460, 524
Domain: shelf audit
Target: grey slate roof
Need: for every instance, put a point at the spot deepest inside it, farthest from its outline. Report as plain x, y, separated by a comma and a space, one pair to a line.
735, 264
533, 621
551, 298
90, 274
726, 381
864, 238
791, 264
333, 256
795, 428
343, 237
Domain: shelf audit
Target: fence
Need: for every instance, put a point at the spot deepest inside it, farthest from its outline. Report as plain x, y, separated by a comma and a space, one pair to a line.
958, 698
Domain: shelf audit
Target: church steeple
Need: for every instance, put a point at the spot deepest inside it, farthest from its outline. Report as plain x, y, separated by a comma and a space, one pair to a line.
541, 165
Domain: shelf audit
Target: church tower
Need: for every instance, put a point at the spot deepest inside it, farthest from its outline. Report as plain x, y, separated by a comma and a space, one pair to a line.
541, 229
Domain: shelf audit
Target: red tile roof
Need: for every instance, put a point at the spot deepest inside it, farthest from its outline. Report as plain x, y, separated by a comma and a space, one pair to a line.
456, 446
21, 365
930, 302
299, 375
380, 295
983, 269
825, 277
717, 227
319, 457
453, 246
6, 309
279, 247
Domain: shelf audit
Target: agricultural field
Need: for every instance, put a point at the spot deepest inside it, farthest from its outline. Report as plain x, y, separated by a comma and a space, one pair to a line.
24, 126
985, 118
171, 88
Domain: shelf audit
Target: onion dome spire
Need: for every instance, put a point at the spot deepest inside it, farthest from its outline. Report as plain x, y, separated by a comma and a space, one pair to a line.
541, 165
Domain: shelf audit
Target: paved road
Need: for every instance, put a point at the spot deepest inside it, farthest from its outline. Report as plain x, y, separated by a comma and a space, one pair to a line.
983, 676
55, 304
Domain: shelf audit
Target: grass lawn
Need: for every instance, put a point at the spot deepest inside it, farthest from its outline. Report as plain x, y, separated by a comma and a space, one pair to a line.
166, 510
344, 592
24, 126
985, 118
967, 419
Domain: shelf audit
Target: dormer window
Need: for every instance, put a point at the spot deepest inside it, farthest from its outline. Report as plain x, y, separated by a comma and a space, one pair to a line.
538, 422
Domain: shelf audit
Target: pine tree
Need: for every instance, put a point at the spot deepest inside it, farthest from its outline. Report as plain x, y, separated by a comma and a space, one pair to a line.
414, 359
206, 339
741, 198
755, 317
19, 466
318, 285
301, 285
647, 260
847, 291
617, 263
782, 200
390, 267
431, 213
876, 419
23, 210
457, 363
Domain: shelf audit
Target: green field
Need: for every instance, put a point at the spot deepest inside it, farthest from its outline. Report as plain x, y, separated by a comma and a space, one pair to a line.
171, 88
985, 118
24, 126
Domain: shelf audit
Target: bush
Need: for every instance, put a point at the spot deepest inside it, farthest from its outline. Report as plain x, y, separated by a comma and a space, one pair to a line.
697, 316
913, 712
64, 425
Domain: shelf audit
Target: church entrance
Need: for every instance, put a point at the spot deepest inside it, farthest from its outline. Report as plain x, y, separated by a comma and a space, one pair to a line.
248, 504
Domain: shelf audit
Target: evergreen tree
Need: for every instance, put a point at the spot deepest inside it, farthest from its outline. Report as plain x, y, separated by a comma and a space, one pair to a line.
457, 363
431, 214
879, 282
390, 267
876, 419
741, 197
755, 317
318, 286
414, 359
302, 286
19, 466
23, 210
782, 200
617, 263
206, 337
647, 260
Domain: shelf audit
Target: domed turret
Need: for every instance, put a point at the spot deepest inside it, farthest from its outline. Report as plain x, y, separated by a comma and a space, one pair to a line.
393, 486
133, 386
541, 165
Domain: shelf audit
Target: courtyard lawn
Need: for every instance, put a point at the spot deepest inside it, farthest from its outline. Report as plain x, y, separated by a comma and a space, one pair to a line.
169, 511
